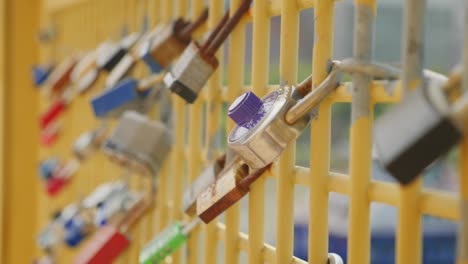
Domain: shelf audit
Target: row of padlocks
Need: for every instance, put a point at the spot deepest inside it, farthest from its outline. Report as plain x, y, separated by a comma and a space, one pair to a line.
409, 137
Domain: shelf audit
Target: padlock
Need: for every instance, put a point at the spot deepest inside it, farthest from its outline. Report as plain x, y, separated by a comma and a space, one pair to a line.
48, 167
86, 72
50, 134
334, 259
48, 259
265, 127
40, 73
166, 46
61, 177
164, 244
59, 78
142, 144
233, 184
110, 241
196, 65
206, 178
89, 142
49, 237
424, 126
56, 109
75, 231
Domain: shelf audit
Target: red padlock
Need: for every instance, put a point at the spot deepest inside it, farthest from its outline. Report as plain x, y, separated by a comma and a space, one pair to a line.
55, 184
50, 135
110, 241
52, 113
105, 246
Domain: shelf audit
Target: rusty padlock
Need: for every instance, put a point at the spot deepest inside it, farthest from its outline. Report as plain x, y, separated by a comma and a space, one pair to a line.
232, 184
59, 78
205, 179
196, 65
166, 46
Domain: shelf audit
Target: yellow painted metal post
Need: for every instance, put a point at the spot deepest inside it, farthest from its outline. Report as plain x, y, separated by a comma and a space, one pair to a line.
260, 62
19, 133
213, 103
235, 85
289, 45
194, 143
361, 138
409, 231
320, 136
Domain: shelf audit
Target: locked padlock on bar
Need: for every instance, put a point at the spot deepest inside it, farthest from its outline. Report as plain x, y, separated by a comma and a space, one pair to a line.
110, 241
168, 241
206, 178
265, 127
40, 73
424, 126
89, 142
196, 65
170, 41
61, 177
129, 94
139, 144
231, 186
59, 78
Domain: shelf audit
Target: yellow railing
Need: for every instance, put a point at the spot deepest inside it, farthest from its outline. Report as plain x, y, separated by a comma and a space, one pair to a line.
82, 24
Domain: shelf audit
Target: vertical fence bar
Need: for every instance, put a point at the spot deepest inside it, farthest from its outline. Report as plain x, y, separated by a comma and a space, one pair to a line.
194, 148
213, 103
361, 137
320, 135
409, 231
235, 85
177, 162
289, 45
462, 250
260, 62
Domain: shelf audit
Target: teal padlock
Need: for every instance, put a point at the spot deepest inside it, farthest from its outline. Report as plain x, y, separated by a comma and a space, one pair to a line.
171, 239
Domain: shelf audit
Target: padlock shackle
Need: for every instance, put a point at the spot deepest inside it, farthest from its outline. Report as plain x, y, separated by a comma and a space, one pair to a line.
227, 29
376, 70
187, 31
305, 86
215, 31
148, 82
188, 228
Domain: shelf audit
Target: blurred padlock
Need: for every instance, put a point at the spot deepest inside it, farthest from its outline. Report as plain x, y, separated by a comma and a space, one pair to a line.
76, 229
110, 241
47, 259
48, 167
40, 73
50, 134
129, 94
196, 65
89, 142
233, 184
265, 127
206, 178
168, 241
424, 126
139, 144
166, 46
56, 109
59, 78
50, 236
61, 177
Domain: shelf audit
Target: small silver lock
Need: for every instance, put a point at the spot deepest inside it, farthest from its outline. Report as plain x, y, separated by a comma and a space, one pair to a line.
88, 142
139, 143
198, 62
424, 126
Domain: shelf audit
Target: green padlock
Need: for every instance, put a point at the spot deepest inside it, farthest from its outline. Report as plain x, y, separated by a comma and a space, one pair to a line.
171, 239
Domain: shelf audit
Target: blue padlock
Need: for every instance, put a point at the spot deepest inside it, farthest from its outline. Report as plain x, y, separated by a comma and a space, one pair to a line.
74, 231
40, 74
48, 167
125, 96
145, 55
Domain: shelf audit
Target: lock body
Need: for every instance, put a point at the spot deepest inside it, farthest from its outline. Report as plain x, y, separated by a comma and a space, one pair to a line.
163, 48
48, 167
266, 134
414, 133
40, 74
55, 184
105, 246
163, 245
75, 231
60, 76
113, 102
139, 143
190, 73
54, 111
206, 178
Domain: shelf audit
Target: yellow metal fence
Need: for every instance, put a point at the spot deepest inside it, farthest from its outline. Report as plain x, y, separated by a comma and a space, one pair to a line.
82, 24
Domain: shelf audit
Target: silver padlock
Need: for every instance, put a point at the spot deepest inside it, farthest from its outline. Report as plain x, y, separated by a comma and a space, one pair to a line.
196, 65
88, 142
139, 143
423, 127
265, 127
